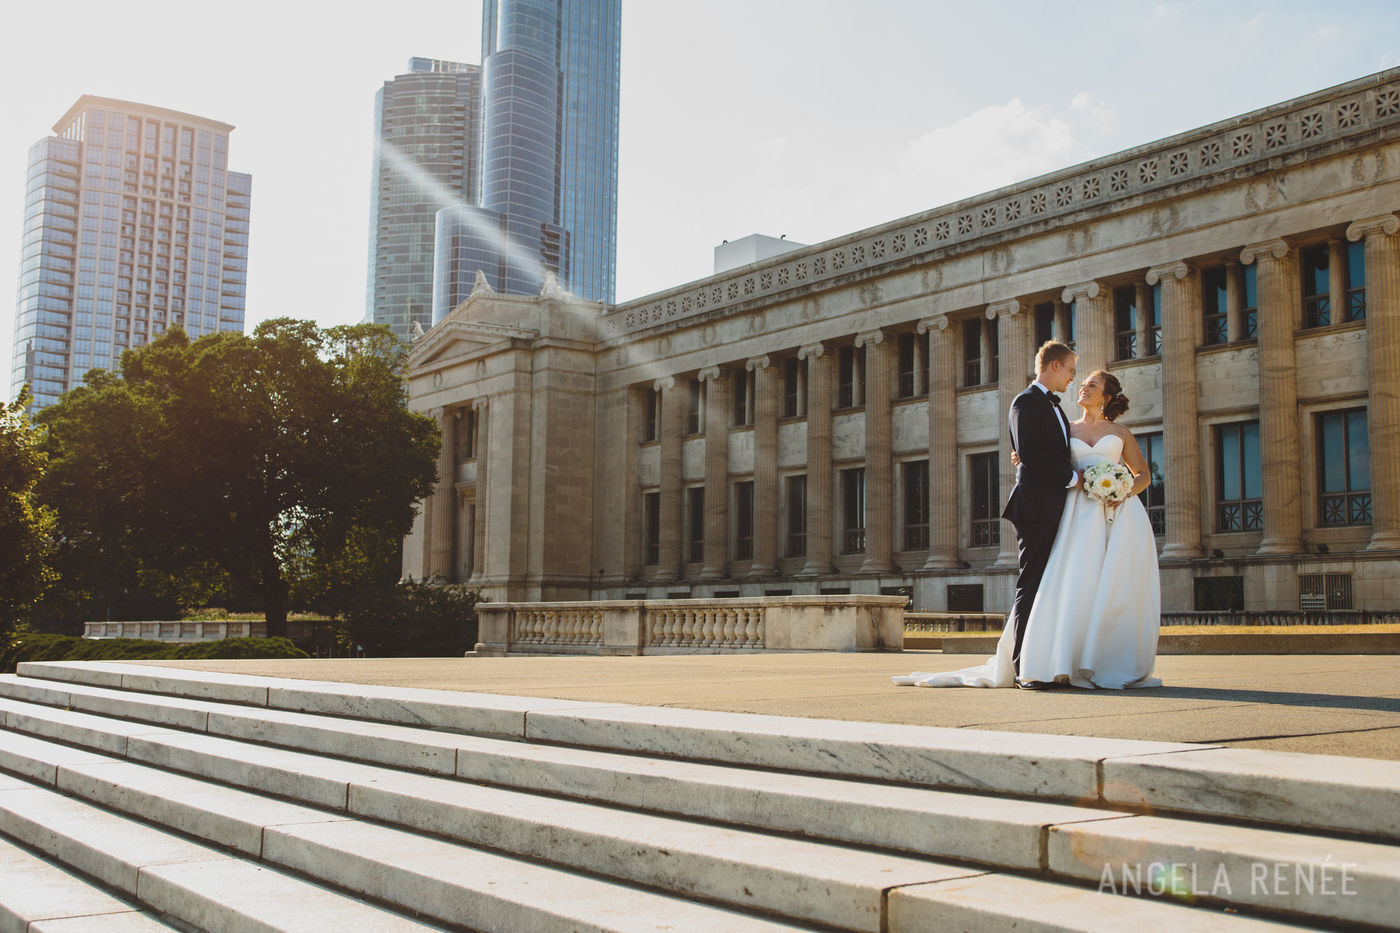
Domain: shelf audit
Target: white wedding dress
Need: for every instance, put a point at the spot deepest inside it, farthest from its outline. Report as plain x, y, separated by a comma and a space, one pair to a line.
1095, 619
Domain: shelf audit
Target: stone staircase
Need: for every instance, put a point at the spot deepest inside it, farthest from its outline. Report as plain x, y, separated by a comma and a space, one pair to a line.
145, 798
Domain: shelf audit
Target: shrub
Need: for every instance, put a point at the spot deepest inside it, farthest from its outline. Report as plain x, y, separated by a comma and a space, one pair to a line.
48, 647
414, 620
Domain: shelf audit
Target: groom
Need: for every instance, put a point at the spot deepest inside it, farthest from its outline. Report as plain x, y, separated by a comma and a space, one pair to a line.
1040, 437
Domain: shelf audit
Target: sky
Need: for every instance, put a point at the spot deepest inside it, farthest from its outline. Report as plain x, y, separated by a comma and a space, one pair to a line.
805, 118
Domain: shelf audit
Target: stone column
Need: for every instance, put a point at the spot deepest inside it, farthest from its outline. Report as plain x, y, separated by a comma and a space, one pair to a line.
441, 527
1093, 325
673, 411
1383, 359
1234, 301
942, 443
1181, 316
819, 491
716, 383
765, 466
1017, 370
483, 440
1280, 314
1337, 280
1144, 320
1061, 330
879, 460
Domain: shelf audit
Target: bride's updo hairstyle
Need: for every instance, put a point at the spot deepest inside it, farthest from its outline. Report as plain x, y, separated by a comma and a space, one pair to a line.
1115, 403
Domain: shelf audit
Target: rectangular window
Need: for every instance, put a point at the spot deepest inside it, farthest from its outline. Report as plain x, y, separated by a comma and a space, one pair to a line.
742, 390
1356, 281
1343, 468
1251, 302
651, 528
849, 373
1214, 306
795, 498
1321, 591
1154, 323
695, 524
1125, 322
743, 520
793, 371
1154, 496
466, 438
916, 505
1044, 323
1239, 502
972, 352
652, 416
1317, 298
989, 370
907, 363
694, 413
986, 500
853, 511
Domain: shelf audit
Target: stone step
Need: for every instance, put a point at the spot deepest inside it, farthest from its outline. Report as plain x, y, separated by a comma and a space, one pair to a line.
1326, 793
202, 886
819, 882
211, 889
998, 831
41, 895
779, 875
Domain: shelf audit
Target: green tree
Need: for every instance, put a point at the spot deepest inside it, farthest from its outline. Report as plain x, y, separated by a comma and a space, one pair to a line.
26, 527
245, 454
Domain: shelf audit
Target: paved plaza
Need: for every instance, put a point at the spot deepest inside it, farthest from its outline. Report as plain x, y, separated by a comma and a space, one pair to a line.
1322, 704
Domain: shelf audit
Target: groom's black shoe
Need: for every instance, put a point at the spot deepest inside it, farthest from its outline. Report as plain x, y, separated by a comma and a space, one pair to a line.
1032, 684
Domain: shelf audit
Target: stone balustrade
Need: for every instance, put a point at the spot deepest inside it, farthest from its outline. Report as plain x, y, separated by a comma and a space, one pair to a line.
693, 626
191, 631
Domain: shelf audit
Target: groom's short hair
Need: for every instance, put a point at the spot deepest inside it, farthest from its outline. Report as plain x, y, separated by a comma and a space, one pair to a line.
1051, 352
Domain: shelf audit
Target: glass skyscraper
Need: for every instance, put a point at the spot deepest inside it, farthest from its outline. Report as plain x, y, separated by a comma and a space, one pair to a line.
427, 158
548, 196
132, 223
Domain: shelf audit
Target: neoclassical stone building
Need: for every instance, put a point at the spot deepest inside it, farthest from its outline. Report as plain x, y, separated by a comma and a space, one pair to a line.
833, 419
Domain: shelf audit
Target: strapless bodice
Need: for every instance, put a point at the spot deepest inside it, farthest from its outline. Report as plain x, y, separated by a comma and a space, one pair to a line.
1109, 448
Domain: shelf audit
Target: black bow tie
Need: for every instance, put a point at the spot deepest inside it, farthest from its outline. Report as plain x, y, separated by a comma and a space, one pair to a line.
1054, 399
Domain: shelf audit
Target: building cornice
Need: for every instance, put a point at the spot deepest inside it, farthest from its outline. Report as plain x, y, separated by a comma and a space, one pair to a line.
1366, 111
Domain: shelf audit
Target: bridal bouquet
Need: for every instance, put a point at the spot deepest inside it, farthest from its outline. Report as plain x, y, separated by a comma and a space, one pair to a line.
1108, 482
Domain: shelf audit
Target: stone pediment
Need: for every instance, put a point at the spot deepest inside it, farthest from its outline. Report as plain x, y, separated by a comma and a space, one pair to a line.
462, 337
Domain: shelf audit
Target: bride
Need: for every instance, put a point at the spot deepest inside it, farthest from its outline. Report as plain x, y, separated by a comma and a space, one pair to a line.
1095, 619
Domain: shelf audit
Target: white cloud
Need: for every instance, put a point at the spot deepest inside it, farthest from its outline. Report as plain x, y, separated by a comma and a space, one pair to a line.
986, 149
1102, 116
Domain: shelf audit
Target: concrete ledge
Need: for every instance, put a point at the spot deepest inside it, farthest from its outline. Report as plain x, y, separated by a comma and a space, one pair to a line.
681, 626
1194, 640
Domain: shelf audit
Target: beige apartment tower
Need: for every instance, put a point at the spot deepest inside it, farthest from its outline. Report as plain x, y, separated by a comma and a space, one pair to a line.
834, 419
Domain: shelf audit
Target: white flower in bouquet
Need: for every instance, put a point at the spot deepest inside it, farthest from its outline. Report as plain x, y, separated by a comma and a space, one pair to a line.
1108, 482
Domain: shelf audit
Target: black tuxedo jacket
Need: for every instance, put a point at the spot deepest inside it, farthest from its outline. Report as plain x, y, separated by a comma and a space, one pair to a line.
1046, 469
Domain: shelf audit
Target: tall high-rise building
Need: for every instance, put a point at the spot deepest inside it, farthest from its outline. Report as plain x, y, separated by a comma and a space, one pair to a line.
549, 131
427, 157
132, 223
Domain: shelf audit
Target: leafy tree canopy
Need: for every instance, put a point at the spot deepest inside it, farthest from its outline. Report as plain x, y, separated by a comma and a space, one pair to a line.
248, 455
26, 527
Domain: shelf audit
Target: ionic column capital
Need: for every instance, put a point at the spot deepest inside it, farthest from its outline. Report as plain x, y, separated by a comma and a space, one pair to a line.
1008, 308
664, 384
1387, 224
868, 338
811, 351
1177, 270
939, 323
1275, 249
479, 404
756, 363
1082, 290
709, 373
